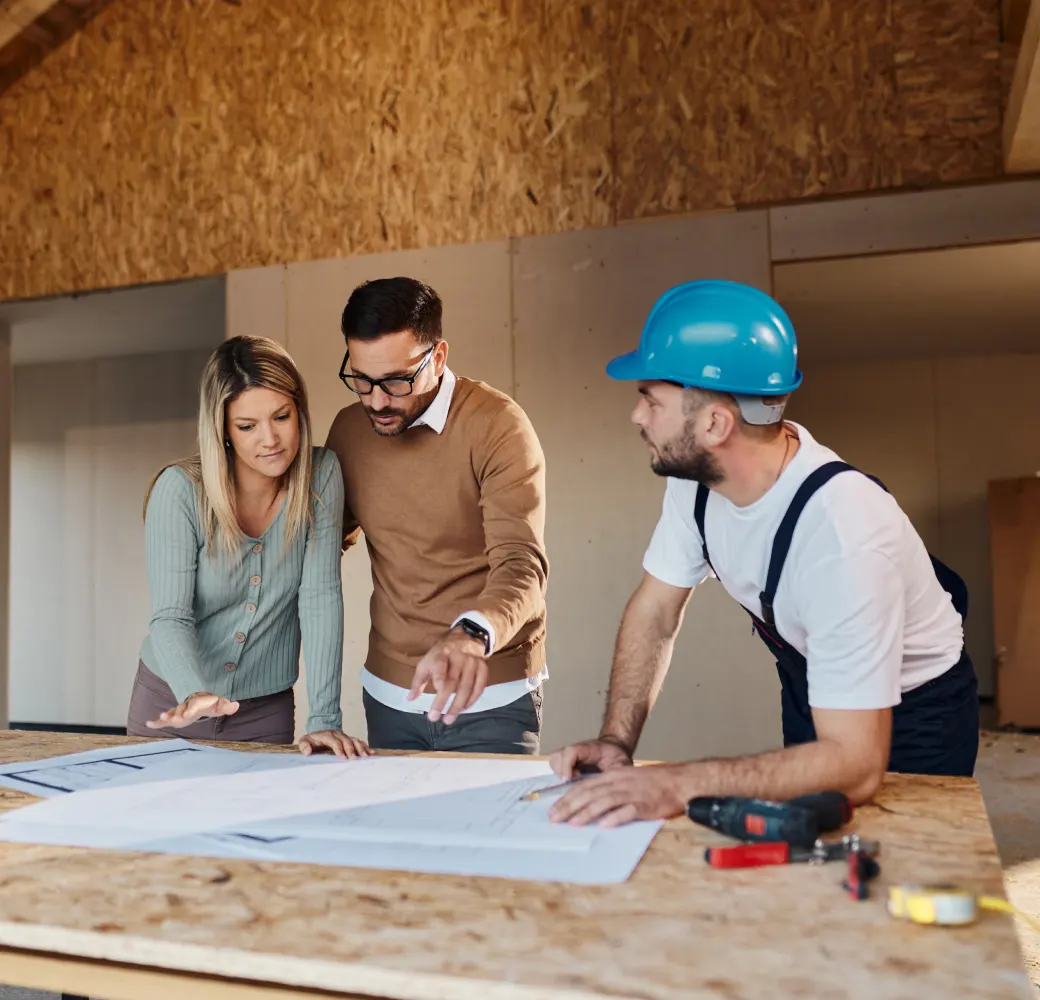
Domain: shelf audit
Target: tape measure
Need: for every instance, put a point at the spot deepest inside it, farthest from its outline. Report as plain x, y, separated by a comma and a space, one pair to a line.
946, 905
933, 904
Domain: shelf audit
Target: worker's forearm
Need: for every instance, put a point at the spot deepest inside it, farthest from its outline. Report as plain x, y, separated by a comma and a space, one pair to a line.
641, 658
819, 766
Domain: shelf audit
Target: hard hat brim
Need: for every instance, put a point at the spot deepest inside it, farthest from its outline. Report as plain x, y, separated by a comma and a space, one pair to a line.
629, 368
632, 367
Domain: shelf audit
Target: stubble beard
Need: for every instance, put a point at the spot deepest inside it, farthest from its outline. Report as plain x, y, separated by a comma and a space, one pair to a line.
683, 458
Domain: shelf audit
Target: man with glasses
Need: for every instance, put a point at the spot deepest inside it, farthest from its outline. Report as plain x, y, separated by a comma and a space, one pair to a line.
446, 478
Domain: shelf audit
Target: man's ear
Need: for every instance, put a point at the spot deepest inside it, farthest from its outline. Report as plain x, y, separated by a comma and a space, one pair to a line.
721, 424
440, 358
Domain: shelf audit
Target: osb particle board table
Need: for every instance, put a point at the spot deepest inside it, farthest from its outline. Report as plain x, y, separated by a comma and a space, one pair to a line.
157, 927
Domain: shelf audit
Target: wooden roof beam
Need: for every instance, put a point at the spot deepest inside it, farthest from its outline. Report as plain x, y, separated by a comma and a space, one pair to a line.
1022, 118
30, 29
17, 15
1013, 19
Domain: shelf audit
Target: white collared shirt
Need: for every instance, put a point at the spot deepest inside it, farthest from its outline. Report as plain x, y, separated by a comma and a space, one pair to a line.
435, 416
858, 598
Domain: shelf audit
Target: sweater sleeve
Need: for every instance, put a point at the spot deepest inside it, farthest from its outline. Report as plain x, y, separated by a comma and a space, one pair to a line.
172, 553
511, 470
321, 599
350, 530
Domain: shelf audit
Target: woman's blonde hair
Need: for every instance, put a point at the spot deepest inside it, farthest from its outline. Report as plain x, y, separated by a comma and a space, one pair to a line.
239, 364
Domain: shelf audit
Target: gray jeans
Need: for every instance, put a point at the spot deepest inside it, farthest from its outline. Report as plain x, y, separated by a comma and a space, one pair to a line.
513, 728
269, 719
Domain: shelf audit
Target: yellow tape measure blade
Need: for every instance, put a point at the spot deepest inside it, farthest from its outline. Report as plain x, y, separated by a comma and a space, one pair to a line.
947, 905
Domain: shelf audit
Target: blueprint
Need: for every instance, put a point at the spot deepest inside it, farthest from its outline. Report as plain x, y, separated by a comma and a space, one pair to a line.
462, 816
110, 767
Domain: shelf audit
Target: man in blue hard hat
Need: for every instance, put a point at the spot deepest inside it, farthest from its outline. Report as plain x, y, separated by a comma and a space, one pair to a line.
865, 626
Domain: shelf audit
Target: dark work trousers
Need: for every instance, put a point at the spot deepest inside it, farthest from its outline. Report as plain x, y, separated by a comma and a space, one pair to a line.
513, 728
935, 728
270, 719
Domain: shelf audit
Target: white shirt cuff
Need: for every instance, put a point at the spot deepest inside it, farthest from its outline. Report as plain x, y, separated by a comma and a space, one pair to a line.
476, 616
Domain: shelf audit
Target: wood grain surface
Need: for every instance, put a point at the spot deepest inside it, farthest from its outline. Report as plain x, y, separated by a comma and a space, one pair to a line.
675, 929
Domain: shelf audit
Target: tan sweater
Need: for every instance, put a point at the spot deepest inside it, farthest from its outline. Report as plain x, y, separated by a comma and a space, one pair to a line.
454, 522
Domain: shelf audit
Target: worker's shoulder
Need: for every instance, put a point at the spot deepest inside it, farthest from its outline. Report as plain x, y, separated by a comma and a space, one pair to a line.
854, 492
851, 512
846, 492
474, 399
474, 394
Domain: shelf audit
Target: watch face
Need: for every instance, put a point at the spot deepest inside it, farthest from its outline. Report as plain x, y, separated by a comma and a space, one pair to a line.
473, 629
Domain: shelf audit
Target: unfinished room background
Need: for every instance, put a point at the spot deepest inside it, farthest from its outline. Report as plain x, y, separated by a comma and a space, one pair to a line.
923, 369
105, 393
547, 165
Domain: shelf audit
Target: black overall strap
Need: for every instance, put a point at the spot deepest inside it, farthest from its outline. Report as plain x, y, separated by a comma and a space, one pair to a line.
919, 745
785, 533
951, 582
700, 505
782, 540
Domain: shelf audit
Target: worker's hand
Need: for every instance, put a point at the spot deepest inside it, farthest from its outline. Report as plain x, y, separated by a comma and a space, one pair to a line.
339, 743
603, 754
200, 705
457, 666
622, 795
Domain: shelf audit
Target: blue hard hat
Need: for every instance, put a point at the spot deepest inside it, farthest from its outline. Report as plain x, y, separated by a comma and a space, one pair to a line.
717, 335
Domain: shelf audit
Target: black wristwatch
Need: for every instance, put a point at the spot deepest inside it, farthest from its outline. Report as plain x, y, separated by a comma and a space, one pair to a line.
470, 627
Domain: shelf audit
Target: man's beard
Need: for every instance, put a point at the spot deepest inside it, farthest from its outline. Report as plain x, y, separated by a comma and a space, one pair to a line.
683, 458
406, 417
390, 430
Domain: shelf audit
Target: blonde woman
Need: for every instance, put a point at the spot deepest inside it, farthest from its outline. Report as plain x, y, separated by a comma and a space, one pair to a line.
243, 549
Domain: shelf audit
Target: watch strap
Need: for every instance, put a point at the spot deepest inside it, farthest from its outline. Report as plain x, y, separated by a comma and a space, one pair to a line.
471, 628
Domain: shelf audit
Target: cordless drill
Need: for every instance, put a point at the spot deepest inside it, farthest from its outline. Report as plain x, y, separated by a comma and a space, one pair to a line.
797, 822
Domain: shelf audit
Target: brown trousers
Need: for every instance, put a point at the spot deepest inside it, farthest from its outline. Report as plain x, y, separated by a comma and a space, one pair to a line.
270, 719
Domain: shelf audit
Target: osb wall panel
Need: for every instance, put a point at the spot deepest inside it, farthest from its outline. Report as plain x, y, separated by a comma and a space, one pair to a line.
177, 138
737, 102
949, 88
184, 137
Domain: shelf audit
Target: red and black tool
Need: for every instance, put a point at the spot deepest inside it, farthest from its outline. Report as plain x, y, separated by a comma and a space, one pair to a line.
796, 822
860, 854
757, 855
862, 869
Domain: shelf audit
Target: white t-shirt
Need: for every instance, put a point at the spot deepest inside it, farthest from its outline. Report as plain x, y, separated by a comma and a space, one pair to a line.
858, 596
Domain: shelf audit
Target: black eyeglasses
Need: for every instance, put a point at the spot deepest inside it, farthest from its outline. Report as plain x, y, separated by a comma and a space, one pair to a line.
399, 385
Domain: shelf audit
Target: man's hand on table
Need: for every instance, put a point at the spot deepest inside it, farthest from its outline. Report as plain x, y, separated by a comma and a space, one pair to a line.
197, 706
604, 754
455, 666
342, 745
624, 794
